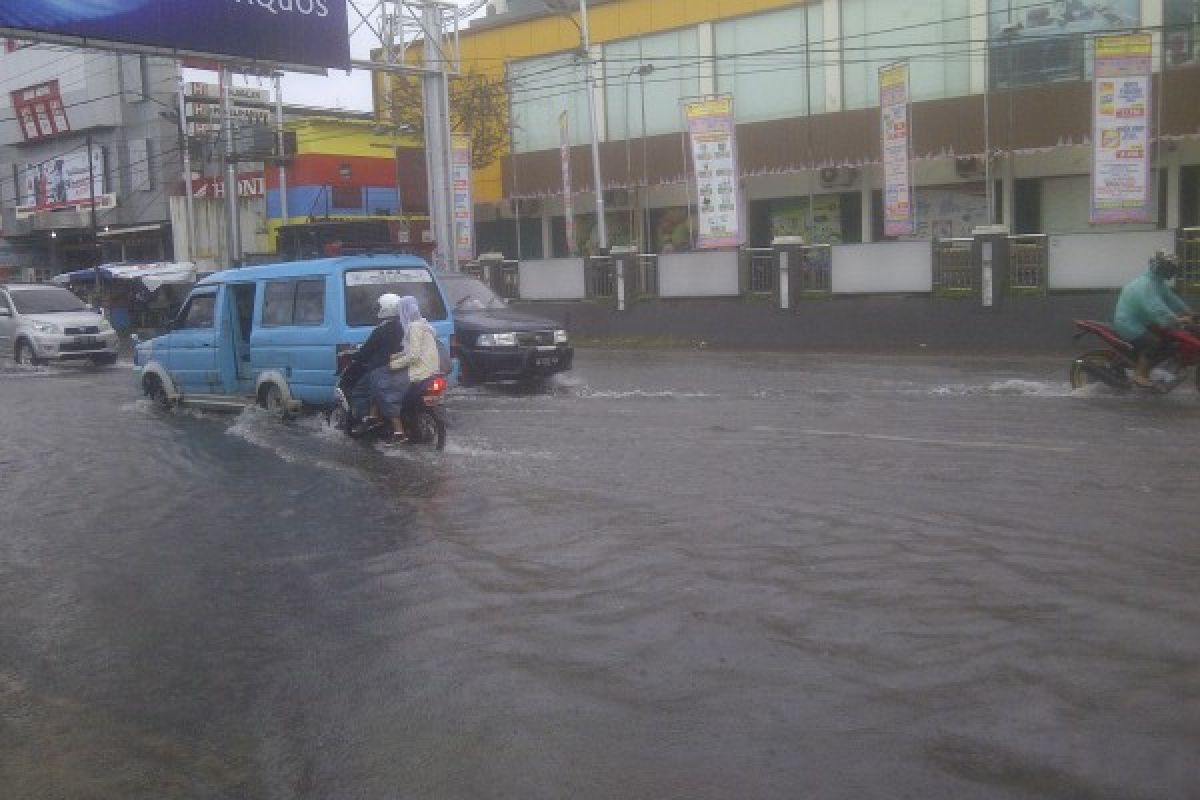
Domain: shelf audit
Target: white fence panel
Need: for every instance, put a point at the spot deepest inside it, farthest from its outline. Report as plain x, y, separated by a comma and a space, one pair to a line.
552, 279
1103, 260
883, 268
706, 274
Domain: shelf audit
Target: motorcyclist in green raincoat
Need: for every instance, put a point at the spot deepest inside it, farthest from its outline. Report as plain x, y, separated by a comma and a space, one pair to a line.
1146, 303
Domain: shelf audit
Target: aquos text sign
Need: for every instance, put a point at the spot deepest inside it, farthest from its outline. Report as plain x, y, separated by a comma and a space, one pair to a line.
299, 32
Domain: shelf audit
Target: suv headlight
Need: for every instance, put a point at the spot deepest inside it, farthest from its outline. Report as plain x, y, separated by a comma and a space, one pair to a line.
497, 340
45, 327
560, 337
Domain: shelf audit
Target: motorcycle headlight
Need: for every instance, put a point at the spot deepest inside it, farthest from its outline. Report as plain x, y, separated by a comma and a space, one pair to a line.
560, 337
46, 327
497, 340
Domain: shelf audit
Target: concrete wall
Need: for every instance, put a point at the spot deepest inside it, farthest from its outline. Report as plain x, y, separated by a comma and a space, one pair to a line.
708, 274
552, 279
1103, 260
882, 268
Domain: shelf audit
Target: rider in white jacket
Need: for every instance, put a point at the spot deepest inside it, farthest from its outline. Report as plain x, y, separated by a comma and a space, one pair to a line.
420, 354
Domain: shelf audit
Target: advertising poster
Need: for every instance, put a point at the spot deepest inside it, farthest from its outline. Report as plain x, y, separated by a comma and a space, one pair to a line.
564, 139
898, 218
62, 182
714, 158
464, 208
1121, 130
304, 32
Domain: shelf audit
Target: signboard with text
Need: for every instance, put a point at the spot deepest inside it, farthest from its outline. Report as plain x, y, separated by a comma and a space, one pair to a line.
62, 182
1121, 130
301, 32
898, 218
714, 159
564, 152
464, 208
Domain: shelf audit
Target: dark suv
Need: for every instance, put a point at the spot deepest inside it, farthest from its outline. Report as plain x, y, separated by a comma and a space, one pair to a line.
496, 343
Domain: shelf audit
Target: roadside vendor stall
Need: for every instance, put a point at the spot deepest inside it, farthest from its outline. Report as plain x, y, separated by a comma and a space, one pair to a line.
135, 296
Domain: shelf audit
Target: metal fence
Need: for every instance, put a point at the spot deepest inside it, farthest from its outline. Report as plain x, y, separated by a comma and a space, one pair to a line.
816, 271
953, 271
645, 276
1188, 249
601, 275
1027, 263
761, 269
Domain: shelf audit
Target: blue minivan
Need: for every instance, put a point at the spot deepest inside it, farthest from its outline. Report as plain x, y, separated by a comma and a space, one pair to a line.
271, 335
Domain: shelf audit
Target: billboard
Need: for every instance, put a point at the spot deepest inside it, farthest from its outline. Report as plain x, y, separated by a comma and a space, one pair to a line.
714, 158
62, 182
897, 180
1121, 129
293, 32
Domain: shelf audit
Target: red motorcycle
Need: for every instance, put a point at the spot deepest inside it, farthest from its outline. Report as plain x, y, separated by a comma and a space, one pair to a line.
1114, 366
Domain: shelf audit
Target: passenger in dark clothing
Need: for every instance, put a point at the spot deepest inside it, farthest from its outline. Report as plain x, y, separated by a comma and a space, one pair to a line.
381, 391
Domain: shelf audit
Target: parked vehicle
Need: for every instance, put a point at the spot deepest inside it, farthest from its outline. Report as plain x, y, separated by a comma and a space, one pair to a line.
423, 416
41, 323
271, 335
1114, 365
496, 343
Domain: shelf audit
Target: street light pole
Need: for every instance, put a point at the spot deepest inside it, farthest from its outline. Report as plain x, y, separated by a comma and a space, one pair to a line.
601, 221
642, 70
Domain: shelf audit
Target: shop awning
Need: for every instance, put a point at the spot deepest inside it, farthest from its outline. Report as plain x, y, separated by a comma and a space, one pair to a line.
151, 276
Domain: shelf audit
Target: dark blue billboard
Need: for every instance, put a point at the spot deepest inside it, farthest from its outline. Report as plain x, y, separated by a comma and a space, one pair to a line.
304, 32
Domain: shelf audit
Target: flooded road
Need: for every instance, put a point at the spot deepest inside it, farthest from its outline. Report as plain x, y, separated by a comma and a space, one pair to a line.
674, 575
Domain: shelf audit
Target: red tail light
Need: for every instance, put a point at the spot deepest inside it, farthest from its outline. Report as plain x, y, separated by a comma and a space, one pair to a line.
436, 386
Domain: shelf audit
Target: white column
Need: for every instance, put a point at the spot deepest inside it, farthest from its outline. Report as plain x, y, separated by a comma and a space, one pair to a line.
1174, 178
1152, 20
707, 50
1010, 184
832, 11
979, 49
868, 184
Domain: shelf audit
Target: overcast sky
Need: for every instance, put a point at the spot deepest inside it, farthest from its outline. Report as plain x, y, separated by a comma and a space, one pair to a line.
338, 90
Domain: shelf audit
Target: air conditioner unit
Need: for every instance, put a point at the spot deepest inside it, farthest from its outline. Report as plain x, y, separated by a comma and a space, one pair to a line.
838, 177
525, 207
968, 166
618, 198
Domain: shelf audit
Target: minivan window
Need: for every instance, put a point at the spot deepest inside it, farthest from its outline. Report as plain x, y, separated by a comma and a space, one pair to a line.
46, 301
199, 312
364, 286
294, 302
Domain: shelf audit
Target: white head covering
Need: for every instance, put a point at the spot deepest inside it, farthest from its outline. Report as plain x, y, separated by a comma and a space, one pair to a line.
389, 305
409, 311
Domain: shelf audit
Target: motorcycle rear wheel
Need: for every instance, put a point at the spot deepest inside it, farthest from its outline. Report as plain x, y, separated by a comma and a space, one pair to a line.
428, 430
1080, 377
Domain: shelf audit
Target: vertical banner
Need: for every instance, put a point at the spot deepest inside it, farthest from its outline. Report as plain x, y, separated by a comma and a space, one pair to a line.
464, 209
898, 218
564, 139
1121, 129
714, 159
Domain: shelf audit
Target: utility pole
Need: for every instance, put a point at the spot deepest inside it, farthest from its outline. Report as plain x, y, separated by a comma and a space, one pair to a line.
92, 195
283, 180
234, 239
186, 150
601, 220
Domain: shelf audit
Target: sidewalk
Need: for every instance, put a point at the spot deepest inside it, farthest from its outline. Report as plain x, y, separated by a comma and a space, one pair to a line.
875, 324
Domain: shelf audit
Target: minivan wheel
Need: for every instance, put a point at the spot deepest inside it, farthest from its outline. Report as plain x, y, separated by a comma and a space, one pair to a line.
152, 386
271, 398
25, 356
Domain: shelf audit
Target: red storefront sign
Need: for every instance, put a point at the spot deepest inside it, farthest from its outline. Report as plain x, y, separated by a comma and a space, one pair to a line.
39, 110
250, 184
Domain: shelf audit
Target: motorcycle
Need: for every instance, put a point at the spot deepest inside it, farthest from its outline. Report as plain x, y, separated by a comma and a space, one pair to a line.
423, 414
1114, 365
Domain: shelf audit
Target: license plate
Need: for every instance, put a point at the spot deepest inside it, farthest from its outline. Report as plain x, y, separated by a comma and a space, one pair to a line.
86, 340
547, 361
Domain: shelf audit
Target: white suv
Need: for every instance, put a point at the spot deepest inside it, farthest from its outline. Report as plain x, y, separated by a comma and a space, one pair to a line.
47, 323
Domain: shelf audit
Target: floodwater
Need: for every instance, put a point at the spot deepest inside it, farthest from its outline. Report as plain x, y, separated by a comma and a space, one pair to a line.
673, 574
